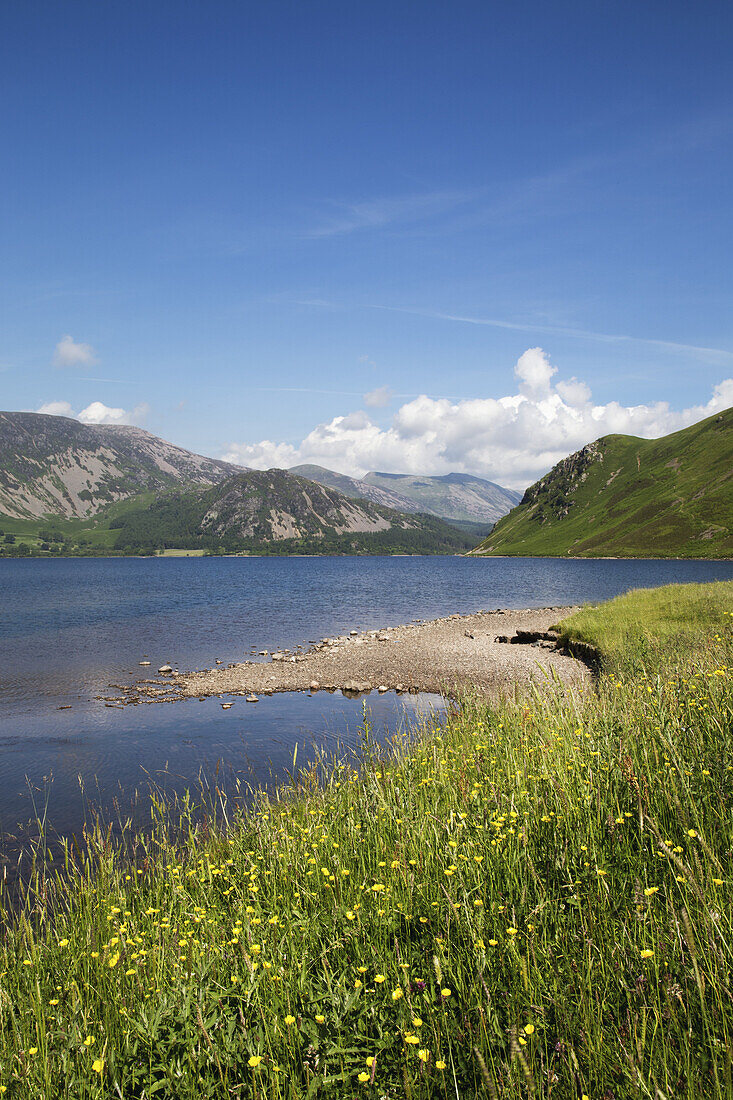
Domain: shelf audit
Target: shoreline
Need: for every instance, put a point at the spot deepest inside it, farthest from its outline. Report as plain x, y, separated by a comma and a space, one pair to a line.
441, 656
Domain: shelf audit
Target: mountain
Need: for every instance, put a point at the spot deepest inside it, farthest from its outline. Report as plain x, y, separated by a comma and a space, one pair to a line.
276, 511
626, 497
452, 496
56, 466
352, 487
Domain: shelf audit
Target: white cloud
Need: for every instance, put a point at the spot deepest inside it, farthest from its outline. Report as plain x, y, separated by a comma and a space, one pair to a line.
97, 412
70, 353
56, 408
512, 439
379, 398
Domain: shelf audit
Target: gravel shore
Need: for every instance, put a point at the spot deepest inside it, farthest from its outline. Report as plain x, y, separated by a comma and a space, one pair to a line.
442, 655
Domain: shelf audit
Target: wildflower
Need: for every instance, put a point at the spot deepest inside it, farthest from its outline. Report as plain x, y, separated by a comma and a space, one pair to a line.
445, 992
370, 1061
529, 1029
412, 1039
379, 978
397, 994
718, 881
89, 1040
113, 960
254, 1061
423, 1055
33, 1050
512, 931
440, 1064
363, 1077
63, 943
650, 891
646, 953
289, 1020
320, 1019
416, 1021
98, 1066
362, 969
493, 943
692, 833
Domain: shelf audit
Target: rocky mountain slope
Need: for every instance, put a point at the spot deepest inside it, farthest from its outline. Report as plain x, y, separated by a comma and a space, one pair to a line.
273, 508
353, 487
53, 465
626, 497
452, 496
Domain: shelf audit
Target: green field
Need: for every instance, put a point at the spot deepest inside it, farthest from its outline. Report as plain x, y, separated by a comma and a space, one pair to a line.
628, 497
532, 901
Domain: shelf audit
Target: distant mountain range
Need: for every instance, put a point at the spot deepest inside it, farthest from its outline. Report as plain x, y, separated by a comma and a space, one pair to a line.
53, 465
461, 497
626, 497
72, 488
277, 511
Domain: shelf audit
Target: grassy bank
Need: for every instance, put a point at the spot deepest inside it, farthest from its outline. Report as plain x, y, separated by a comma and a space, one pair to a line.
533, 901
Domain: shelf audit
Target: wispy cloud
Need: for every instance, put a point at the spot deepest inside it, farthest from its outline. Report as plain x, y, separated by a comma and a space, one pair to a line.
711, 354
388, 210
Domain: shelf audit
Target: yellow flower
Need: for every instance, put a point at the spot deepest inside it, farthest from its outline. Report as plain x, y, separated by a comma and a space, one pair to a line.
55, 1001
423, 1054
113, 960
397, 994
370, 1061
98, 1065
416, 1021
358, 984
254, 1061
33, 1050
89, 1040
379, 978
445, 992
692, 833
362, 969
63, 943
493, 943
646, 953
718, 881
529, 1029
412, 1039
289, 1020
363, 1077
440, 1064
512, 931
650, 890
320, 1019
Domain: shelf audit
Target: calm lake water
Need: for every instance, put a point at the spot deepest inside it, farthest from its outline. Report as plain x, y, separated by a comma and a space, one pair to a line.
71, 628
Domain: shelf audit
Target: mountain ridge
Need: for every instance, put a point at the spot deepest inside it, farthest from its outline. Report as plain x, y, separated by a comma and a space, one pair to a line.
57, 466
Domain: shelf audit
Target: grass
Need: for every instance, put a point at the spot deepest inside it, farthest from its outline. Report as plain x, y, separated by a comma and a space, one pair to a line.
532, 901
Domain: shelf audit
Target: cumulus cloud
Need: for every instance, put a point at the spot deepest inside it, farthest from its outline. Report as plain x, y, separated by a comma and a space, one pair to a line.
56, 408
71, 353
97, 412
379, 398
513, 439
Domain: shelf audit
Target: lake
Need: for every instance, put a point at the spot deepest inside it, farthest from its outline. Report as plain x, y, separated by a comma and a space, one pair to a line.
70, 628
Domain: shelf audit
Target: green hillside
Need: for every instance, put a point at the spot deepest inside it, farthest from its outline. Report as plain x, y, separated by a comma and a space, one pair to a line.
628, 497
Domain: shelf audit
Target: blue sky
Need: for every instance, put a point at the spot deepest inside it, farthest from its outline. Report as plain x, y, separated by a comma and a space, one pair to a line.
229, 222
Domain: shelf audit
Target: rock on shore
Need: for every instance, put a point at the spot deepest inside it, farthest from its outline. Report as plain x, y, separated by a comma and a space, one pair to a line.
443, 656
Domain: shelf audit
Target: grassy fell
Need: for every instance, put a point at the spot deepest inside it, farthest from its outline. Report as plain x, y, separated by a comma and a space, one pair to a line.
531, 901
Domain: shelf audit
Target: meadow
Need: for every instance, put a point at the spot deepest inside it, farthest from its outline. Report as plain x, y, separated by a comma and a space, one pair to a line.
531, 900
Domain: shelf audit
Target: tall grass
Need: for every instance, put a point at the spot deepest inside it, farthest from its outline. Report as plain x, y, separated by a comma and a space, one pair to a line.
532, 901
